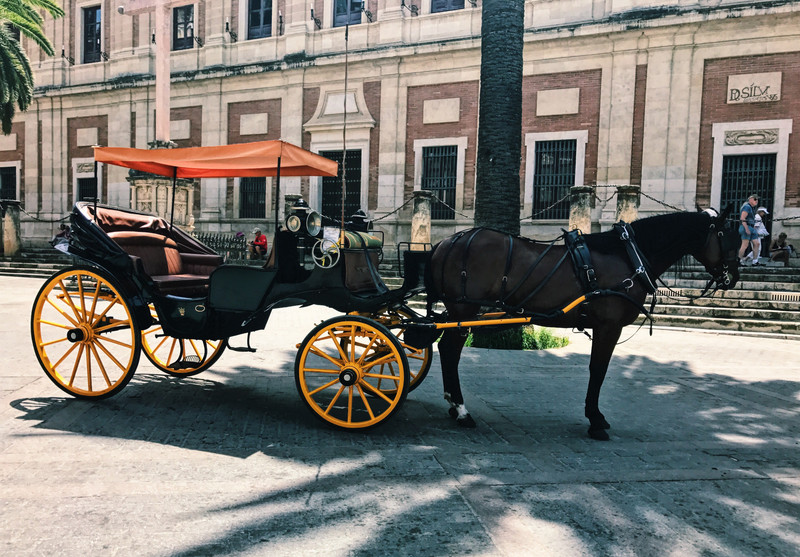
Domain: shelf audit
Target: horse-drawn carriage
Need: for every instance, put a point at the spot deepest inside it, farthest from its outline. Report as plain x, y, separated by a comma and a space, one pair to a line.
145, 286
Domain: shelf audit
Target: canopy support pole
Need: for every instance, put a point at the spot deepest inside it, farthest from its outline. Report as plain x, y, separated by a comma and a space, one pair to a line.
277, 205
174, 187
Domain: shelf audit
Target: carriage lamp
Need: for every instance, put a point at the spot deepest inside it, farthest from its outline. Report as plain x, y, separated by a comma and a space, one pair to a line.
303, 219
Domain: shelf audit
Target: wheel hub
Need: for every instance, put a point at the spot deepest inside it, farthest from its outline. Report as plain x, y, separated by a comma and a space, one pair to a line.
79, 334
349, 376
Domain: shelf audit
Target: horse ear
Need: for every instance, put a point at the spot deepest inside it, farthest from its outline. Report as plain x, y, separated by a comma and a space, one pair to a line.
698, 207
726, 211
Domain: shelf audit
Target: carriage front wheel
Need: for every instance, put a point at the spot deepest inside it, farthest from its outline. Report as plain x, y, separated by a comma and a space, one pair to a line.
84, 333
342, 370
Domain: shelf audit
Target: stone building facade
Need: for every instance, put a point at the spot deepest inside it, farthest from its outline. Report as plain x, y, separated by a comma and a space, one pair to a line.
694, 101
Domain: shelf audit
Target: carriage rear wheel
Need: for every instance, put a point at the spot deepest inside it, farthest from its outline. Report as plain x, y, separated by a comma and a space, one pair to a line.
419, 359
340, 367
179, 357
84, 333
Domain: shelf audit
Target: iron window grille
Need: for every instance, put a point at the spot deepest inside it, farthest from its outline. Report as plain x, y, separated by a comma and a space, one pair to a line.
87, 189
346, 12
332, 187
182, 27
259, 23
745, 175
253, 198
554, 175
446, 5
439, 170
8, 182
91, 34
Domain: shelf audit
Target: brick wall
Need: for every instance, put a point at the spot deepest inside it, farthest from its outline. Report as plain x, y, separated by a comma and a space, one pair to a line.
18, 154
310, 101
372, 95
85, 151
272, 107
715, 109
587, 118
637, 136
467, 125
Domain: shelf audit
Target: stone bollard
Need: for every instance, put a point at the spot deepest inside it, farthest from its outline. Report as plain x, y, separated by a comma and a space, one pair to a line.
627, 203
421, 219
11, 237
289, 201
580, 208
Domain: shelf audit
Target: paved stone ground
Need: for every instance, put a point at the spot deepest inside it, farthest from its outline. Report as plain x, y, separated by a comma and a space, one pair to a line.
703, 458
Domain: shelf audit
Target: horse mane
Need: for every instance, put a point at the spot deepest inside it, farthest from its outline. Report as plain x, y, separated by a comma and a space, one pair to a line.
664, 237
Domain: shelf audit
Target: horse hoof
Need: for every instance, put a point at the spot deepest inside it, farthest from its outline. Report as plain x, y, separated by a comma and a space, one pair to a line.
453, 413
466, 421
598, 434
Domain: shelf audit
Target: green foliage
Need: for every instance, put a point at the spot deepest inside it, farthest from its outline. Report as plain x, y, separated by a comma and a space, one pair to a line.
16, 75
517, 338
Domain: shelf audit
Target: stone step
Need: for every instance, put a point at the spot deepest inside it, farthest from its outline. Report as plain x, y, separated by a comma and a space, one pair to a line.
726, 324
759, 313
761, 284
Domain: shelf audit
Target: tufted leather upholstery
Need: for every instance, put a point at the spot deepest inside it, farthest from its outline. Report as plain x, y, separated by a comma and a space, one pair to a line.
183, 274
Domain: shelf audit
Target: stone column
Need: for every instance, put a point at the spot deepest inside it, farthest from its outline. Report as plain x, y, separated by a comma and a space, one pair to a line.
580, 208
627, 203
421, 219
10, 234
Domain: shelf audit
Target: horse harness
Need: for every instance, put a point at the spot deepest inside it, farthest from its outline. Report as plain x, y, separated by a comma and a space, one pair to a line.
581, 259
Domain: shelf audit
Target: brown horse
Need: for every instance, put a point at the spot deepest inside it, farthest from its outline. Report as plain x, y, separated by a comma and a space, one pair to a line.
614, 270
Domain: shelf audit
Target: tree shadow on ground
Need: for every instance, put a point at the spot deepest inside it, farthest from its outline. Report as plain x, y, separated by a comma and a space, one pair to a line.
698, 463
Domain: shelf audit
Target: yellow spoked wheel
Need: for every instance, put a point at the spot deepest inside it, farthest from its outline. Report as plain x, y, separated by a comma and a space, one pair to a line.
339, 368
179, 357
84, 334
419, 359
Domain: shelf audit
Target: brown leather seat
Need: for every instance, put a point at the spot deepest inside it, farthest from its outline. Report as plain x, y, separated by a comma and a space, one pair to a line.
173, 272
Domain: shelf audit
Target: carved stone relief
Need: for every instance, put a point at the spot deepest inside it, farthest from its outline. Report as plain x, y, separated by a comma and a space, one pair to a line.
751, 137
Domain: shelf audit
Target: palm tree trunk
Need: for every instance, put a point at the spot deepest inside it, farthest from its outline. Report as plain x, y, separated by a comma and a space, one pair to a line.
497, 188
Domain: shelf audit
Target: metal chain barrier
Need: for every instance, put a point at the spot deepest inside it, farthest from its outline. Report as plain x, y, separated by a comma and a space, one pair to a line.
651, 198
434, 198
409, 200
533, 216
42, 220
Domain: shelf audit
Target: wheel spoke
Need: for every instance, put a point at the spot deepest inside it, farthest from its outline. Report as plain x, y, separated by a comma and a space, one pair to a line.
109, 354
75, 366
101, 366
377, 392
323, 387
64, 315
333, 400
365, 401
68, 299
316, 351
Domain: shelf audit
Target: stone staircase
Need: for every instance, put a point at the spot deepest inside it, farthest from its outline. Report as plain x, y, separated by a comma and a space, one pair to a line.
34, 262
765, 301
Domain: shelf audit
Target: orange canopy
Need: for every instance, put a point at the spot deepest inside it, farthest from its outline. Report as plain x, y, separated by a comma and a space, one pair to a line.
259, 158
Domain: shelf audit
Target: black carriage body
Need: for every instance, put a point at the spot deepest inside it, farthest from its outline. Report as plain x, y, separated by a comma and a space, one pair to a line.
210, 300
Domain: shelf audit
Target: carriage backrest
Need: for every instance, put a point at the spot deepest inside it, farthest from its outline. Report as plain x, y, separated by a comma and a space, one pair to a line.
159, 254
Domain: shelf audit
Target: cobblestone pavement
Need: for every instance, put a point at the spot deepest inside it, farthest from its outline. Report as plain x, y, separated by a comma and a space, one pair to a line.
703, 458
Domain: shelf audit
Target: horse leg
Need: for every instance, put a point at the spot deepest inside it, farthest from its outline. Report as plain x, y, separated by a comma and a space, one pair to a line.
450, 346
603, 344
